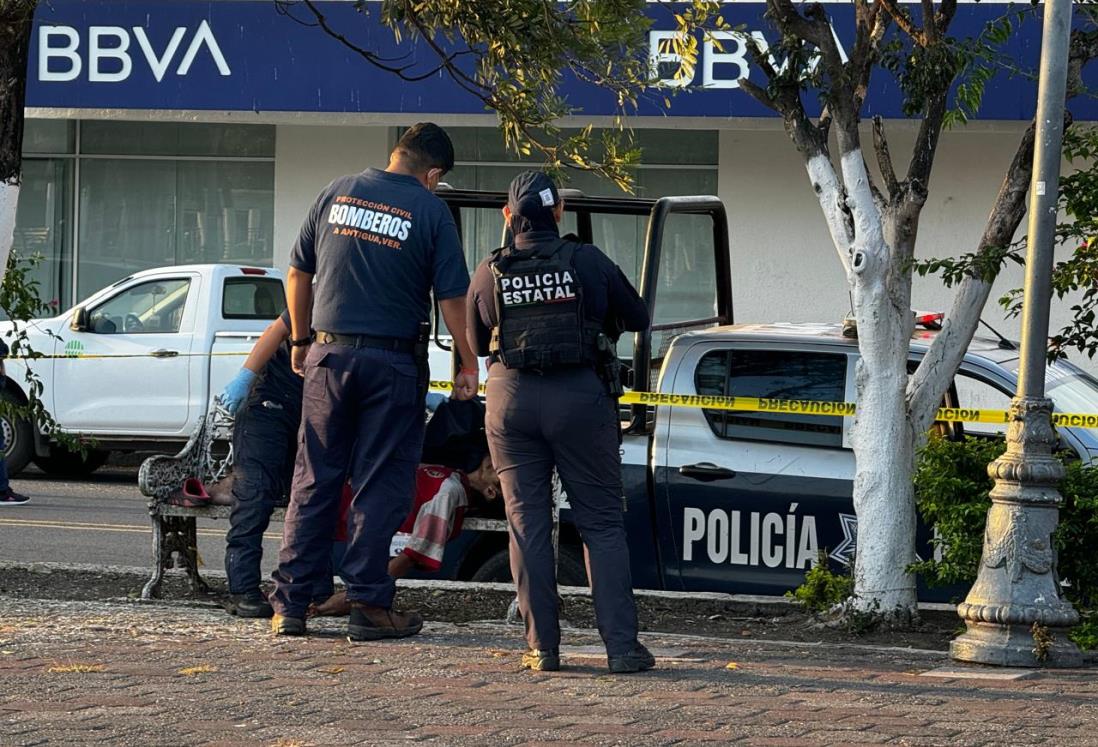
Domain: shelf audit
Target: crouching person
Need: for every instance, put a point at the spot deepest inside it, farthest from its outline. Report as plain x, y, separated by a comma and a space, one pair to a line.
265, 397
442, 496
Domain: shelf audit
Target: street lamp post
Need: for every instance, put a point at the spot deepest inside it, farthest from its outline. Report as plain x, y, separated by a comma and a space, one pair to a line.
1014, 614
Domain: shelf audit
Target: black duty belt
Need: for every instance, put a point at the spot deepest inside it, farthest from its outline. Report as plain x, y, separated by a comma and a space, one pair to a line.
396, 344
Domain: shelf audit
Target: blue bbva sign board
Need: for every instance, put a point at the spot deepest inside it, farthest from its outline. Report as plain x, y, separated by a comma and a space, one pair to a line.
255, 55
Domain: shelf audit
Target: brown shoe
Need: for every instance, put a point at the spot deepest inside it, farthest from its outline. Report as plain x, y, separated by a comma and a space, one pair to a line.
370, 623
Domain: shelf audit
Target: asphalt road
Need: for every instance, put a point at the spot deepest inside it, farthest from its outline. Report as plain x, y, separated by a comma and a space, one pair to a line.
100, 520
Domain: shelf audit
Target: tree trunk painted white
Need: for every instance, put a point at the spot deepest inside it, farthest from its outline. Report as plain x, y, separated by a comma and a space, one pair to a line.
884, 498
9, 201
882, 436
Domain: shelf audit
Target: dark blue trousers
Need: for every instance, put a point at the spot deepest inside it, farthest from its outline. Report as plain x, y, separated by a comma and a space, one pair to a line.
362, 418
563, 419
264, 444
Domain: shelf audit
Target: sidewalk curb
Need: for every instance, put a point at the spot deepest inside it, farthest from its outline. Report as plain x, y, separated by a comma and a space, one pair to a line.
756, 602
757, 606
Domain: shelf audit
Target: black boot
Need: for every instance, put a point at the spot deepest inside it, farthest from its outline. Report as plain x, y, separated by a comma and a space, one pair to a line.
281, 625
636, 660
251, 604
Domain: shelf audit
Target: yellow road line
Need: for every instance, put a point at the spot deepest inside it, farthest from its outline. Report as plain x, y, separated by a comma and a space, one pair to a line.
85, 526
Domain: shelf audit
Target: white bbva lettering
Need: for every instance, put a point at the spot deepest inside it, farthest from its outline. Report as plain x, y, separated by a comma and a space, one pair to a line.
97, 52
718, 48
118, 50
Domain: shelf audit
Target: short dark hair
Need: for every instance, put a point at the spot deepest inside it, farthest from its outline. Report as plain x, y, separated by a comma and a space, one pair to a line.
426, 146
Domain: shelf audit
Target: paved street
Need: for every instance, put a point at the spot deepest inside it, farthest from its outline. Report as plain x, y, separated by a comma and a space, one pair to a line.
133, 674
101, 520
113, 672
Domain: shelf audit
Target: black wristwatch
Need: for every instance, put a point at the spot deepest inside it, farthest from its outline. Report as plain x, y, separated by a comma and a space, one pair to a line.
301, 341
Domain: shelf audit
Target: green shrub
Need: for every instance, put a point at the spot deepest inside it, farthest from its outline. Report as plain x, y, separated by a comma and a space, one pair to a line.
823, 588
951, 491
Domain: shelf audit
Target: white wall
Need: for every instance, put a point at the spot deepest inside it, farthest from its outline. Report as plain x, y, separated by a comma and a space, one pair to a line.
784, 265
306, 159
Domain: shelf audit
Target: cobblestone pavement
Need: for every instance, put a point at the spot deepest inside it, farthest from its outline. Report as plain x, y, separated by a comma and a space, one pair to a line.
129, 674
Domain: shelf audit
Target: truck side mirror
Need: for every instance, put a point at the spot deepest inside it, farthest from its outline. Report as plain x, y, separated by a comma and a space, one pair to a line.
79, 321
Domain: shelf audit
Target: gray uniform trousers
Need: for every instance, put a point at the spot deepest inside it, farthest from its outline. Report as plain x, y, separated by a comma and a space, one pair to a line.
562, 418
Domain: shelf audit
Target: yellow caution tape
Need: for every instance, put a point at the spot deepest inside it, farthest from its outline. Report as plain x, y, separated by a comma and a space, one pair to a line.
695, 401
812, 407
107, 356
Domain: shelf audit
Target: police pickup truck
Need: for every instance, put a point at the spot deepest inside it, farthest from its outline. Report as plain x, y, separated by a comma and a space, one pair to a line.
726, 501
134, 365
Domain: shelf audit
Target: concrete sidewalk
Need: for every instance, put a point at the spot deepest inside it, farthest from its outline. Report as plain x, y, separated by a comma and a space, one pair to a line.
159, 674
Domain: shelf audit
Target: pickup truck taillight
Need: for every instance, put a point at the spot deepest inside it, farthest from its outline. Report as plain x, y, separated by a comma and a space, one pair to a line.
253, 270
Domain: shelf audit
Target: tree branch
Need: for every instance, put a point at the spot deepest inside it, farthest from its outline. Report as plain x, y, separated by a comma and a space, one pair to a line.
884, 158
16, 21
926, 145
1082, 49
903, 21
931, 379
945, 15
374, 59
930, 26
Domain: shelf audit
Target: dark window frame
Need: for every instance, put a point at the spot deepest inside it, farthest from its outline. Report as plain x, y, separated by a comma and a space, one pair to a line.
720, 421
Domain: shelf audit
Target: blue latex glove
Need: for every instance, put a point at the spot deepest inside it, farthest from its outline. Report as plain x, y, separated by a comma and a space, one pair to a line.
236, 390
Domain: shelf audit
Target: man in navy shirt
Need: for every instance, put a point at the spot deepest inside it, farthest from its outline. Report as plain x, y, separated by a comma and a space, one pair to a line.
376, 244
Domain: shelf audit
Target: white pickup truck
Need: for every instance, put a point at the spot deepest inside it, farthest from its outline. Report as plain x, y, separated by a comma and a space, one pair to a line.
131, 365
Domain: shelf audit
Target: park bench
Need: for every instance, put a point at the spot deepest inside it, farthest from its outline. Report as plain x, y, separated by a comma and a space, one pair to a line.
208, 457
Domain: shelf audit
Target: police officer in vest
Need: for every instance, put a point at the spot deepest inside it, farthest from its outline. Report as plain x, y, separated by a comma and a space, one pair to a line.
375, 243
538, 308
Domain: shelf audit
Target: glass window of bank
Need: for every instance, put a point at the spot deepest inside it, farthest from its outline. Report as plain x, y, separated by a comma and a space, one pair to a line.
104, 199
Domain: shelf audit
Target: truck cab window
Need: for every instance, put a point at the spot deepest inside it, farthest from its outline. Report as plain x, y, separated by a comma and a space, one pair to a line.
777, 375
253, 298
154, 307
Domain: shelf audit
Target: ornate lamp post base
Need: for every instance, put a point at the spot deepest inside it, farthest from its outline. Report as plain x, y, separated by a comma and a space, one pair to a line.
1013, 646
1014, 612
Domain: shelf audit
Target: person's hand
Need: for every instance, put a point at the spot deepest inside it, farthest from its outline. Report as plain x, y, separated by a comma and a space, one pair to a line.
466, 383
297, 358
236, 390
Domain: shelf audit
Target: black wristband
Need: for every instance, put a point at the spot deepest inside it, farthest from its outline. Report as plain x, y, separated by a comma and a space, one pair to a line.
300, 342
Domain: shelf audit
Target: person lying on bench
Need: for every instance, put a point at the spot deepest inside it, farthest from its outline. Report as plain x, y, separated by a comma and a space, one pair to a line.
441, 498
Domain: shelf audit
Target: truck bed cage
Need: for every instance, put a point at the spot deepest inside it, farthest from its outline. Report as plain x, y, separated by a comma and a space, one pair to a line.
658, 212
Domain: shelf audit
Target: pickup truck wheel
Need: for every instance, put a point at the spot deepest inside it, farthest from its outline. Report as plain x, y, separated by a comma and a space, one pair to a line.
570, 568
64, 463
18, 439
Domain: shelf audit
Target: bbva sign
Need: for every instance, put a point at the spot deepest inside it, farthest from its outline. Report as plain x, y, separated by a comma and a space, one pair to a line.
109, 59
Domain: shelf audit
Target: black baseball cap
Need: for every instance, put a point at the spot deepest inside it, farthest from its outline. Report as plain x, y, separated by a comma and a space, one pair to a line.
532, 195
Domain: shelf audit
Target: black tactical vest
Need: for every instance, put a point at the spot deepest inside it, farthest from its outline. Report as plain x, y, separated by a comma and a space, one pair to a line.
539, 305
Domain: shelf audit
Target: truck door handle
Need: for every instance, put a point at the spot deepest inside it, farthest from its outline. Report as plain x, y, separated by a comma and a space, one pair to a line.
706, 472
164, 353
